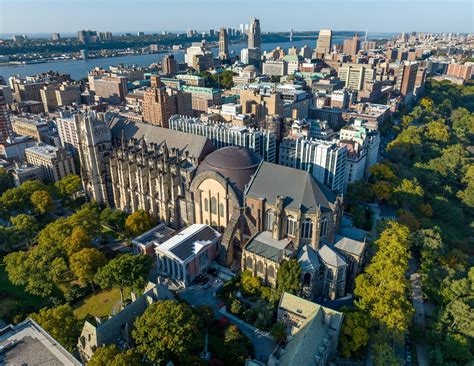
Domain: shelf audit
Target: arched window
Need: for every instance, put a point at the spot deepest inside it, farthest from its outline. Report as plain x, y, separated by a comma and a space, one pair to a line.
221, 209
249, 263
271, 271
260, 266
307, 229
206, 205
307, 279
290, 226
329, 274
213, 205
270, 220
324, 227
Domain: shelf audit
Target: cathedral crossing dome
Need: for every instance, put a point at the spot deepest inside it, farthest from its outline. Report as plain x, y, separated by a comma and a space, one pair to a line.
234, 162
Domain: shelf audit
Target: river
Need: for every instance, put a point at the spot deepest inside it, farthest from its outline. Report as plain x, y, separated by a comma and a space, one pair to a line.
79, 68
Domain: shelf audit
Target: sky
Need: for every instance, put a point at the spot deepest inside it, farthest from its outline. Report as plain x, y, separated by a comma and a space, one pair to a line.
44, 16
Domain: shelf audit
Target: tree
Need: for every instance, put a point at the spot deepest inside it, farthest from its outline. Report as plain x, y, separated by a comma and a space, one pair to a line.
354, 333
358, 216
437, 131
408, 219
6, 181
138, 222
382, 191
237, 346
289, 277
68, 186
456, 348
236, 307
103, 356
113, 218
124, 271
37, 270
112, 356
85, 264
425, 209
77, 241
383, 289
249, 283
25, 225
60, 323
384, 355
88, 217
42, 201
18, 198
278, 332
166, 331
409, 193
382, 171
206, 315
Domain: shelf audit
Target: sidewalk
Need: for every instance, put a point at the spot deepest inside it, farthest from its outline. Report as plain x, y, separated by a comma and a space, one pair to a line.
419, 320
261, 341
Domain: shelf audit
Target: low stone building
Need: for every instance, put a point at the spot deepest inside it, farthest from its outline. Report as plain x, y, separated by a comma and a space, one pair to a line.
117, 328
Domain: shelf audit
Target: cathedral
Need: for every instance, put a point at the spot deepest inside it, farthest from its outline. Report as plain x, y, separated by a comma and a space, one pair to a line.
266, 213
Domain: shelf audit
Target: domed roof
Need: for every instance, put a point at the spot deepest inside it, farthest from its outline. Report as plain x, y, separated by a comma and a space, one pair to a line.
233, 162
250, 68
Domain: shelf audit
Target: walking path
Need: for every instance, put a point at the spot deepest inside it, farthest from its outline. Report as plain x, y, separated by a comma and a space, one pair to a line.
261, 341
417, 299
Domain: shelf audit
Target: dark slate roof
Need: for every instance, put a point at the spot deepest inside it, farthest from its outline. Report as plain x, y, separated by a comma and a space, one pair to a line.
265, 246
197, 146
234, 162
298, 188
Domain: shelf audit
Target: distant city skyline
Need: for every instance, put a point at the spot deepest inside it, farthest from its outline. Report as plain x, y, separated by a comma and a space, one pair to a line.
67, 16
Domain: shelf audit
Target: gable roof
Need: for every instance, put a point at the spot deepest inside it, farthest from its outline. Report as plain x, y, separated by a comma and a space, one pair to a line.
298, 188
331, 257
349, 245
308, 258
197, 146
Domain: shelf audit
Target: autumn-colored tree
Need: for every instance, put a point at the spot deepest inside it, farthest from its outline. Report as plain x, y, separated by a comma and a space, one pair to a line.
249, 283
382, 190
77, 241
42, 201
138, 222
85, 264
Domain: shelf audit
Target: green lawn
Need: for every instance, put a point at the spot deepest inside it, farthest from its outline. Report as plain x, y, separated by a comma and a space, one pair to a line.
17, 299
99, 304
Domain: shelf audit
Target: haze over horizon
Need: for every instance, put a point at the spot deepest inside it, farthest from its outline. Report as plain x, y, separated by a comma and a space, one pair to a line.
68, 16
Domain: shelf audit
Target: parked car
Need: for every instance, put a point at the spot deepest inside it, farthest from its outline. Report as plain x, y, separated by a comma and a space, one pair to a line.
204, 280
